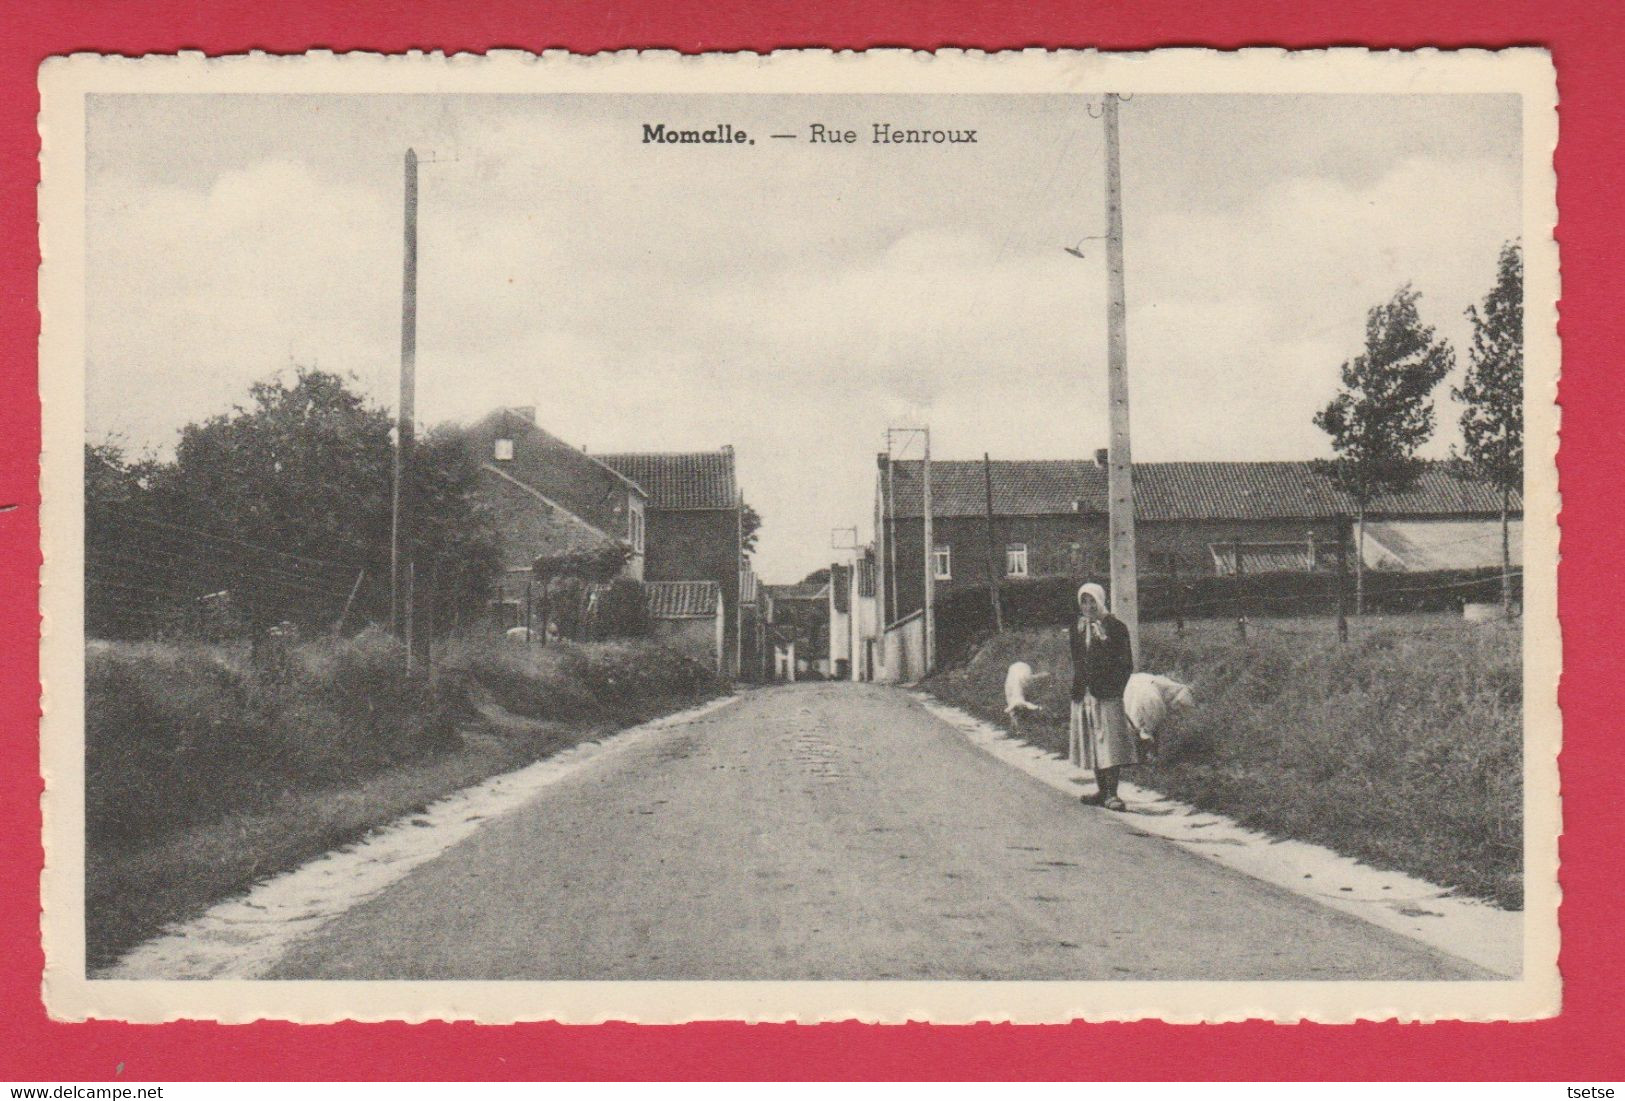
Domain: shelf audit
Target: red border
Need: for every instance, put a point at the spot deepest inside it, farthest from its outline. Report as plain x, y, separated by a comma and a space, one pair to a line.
1587, 1041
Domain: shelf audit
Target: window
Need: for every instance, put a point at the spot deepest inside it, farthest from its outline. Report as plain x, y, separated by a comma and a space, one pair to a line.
941, 563
1015, 560
634, 530
503, 451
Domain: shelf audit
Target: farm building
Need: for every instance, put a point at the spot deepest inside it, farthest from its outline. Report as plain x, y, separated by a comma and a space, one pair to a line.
1049, 519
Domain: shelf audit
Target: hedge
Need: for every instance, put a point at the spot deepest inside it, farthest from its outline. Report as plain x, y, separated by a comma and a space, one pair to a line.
964, 617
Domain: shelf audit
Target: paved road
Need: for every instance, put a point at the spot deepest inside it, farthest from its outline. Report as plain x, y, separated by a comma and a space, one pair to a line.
833, 831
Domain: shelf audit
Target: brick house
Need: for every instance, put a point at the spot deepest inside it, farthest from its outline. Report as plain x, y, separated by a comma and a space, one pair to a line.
693, 512
1049, 519
545, 498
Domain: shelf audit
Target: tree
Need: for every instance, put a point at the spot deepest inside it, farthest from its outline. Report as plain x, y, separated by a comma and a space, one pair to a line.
1491, 394
124, 594
1384, 411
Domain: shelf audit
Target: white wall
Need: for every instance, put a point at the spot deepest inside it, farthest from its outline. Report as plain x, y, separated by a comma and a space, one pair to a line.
904, 651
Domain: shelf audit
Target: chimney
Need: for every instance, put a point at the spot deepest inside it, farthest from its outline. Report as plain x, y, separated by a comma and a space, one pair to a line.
1101, 455
881, 460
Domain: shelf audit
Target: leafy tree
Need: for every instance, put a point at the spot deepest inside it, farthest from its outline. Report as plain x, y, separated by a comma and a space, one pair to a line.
305, 469
1492, 396
1384, 411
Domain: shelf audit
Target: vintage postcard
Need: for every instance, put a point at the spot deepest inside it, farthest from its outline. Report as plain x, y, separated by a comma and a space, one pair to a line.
890, 536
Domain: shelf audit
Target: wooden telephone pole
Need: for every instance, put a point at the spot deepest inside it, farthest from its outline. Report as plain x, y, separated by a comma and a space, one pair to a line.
930, 564
992, 551
1119, 460
400, 527
928, 608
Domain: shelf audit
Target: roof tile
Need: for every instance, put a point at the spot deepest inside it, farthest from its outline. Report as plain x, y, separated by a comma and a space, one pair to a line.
1177, 491
680, 479
681, 599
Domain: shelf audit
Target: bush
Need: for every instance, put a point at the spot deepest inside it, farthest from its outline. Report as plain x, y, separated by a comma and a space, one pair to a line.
619, 612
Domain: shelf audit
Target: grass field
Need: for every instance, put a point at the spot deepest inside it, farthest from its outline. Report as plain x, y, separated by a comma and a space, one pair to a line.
204, 774
1402, 747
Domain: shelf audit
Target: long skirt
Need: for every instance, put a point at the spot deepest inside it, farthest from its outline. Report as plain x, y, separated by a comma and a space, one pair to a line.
1100, 736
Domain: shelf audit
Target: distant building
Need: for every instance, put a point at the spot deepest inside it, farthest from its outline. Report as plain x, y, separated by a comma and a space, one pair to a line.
1049, 519
800, 629
675, 515
853, 618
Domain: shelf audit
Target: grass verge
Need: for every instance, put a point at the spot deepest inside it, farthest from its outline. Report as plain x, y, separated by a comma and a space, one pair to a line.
1402, 747
205, 774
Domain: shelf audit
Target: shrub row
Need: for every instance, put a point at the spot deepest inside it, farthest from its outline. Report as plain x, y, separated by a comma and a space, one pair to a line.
964, 617
181, 733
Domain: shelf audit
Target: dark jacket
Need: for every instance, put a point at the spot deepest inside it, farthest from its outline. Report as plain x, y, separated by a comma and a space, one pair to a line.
1101, 667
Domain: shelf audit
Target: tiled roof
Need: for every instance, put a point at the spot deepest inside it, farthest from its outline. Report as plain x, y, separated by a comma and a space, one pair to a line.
680, 479
1440, 544
1177, 491
681, 599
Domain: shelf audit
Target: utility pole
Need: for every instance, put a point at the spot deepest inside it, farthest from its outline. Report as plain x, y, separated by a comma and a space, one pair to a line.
928, 618
1120, 463
400, 527
992, 553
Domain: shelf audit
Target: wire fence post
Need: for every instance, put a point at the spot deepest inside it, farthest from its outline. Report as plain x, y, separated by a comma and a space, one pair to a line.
432, 621
349, 601
1342, 587
1179, 596
408, 608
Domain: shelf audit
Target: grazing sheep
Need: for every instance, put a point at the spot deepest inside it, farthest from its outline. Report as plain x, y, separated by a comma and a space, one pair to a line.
1016, 682
1148, 700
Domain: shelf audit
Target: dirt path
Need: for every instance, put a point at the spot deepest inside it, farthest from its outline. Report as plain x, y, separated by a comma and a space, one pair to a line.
833, 832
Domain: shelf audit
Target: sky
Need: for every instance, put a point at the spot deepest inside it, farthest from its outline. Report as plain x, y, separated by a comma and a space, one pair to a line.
791, 299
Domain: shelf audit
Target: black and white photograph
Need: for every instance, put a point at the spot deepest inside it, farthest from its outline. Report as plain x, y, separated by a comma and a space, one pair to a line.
1000, 537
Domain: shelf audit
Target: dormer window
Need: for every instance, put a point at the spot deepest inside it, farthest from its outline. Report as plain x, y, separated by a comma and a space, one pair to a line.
504, 450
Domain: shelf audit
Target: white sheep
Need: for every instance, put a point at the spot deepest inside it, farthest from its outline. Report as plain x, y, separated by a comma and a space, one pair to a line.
1016, 682
1148, 700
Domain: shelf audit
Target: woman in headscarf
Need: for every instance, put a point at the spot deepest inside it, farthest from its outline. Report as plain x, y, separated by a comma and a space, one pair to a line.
1102, 662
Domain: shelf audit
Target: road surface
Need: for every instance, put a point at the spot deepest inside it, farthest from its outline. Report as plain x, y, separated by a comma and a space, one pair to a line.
833, 831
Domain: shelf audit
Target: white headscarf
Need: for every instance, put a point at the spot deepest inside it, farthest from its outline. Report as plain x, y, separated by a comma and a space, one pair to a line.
1094, 591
